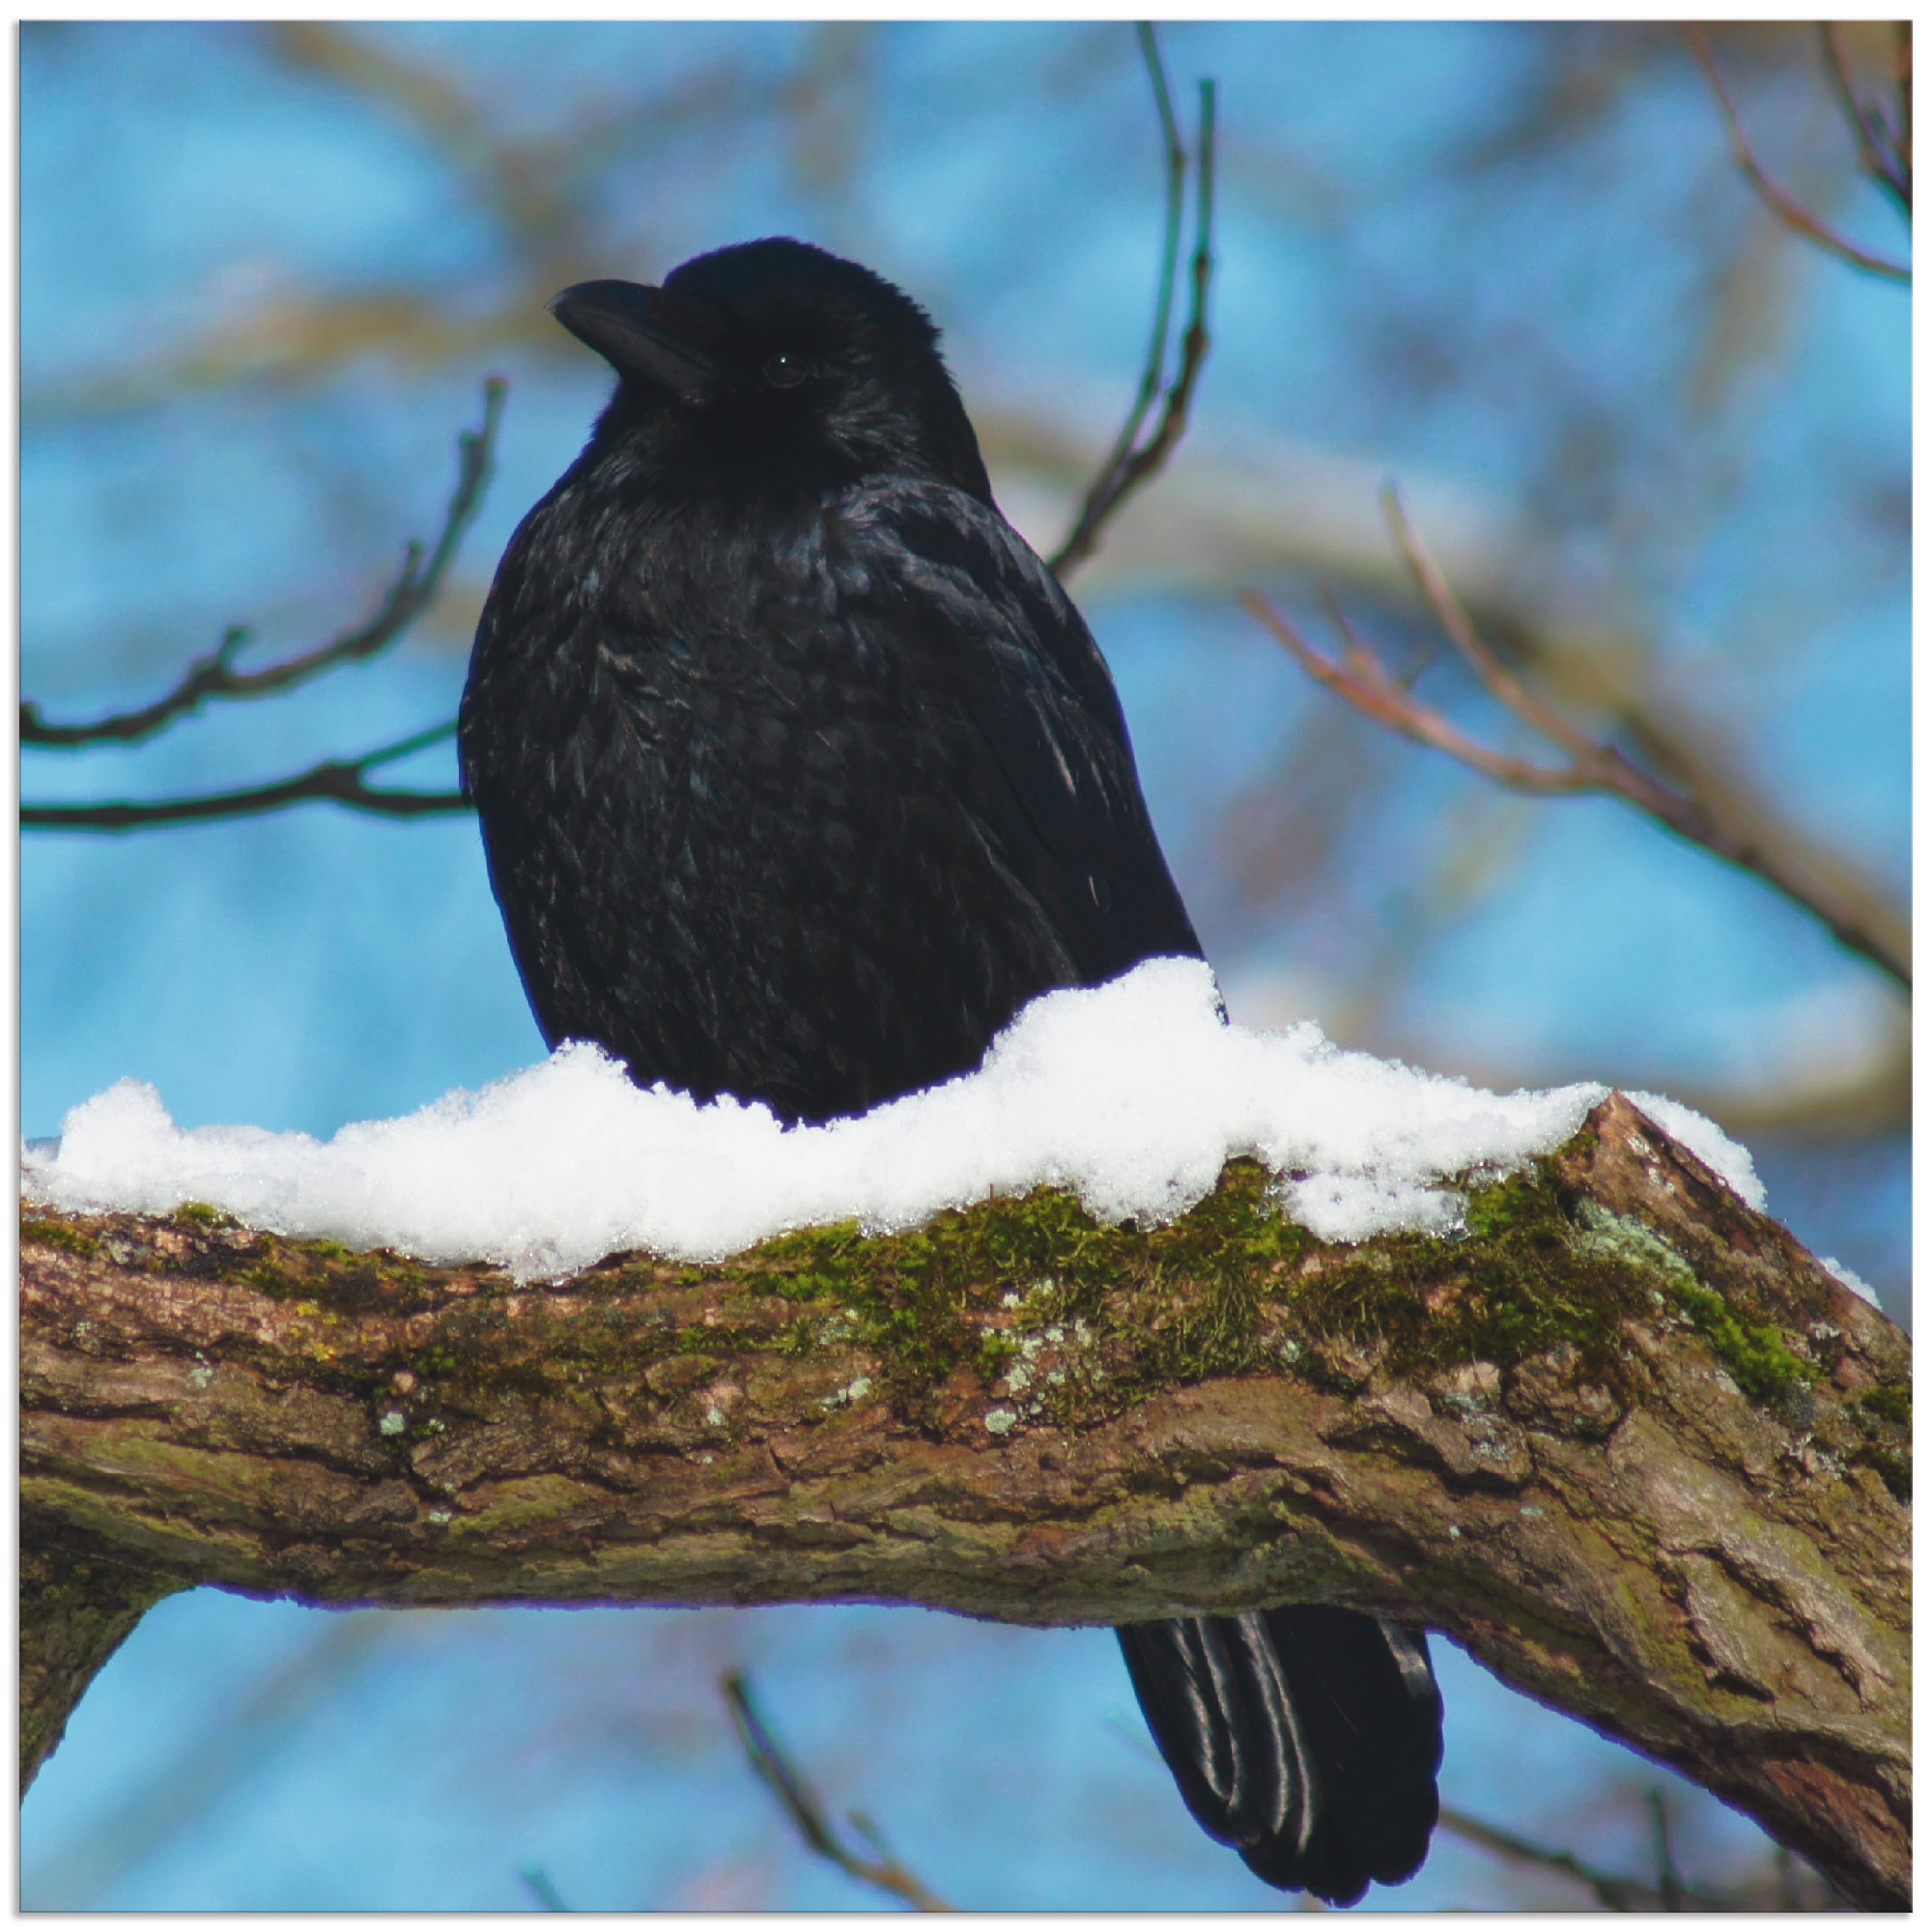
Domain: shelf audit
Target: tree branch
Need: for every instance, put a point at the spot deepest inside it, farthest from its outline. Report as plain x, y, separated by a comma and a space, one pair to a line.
807, 1811
339, 780
1884, 153
1131, 463
415, 589
1612, 1891
1362, 680
1788, 210
1626, 1442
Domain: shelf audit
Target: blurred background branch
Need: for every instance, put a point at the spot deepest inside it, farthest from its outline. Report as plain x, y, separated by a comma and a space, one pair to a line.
1752, 841
1786, 1884
1883, 153
806, 1811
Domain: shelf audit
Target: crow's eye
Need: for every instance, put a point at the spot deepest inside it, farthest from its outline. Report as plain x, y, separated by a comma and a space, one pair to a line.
785, 371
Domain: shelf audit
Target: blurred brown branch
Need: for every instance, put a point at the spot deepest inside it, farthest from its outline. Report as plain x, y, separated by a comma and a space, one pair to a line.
1612, 1892
536, 188
807, 1811
414, 589
1360, 678
1616, 1893
531, 184
1794, 214
1885, 151
1132, 463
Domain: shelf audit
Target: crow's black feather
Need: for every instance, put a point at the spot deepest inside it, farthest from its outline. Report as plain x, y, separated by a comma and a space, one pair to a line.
799, 776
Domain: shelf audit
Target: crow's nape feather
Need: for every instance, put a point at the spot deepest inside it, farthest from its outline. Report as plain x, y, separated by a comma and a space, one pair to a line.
1306, 1737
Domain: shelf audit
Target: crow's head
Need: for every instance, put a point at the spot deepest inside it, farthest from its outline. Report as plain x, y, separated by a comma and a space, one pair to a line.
778, 354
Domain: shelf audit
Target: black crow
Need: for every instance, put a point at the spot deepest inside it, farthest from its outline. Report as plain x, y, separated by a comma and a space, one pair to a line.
799, 776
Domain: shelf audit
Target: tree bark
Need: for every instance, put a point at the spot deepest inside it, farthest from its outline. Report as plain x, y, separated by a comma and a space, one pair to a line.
1625, 1440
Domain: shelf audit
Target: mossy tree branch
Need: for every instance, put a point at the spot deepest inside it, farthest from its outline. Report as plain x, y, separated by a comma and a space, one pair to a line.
1626, 1442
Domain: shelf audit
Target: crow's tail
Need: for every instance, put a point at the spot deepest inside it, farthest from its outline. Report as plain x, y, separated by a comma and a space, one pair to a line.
1307, 1737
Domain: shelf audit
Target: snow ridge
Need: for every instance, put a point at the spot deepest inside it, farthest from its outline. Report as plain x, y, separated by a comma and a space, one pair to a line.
1131, 1095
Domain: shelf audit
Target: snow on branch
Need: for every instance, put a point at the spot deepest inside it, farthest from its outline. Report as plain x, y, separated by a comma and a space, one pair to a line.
1620, 1436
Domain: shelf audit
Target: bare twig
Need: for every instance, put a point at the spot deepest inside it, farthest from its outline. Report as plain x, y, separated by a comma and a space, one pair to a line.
1901, 68
1130, 462
414, 589
338, 779
1614, 1894
1670, 1887
807, 1811
536, 1882
1793, 213
1884, 153
1364, 682
1786, 1868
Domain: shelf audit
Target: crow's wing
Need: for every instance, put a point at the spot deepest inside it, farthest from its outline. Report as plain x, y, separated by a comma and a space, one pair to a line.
1049, 771
1307, 1737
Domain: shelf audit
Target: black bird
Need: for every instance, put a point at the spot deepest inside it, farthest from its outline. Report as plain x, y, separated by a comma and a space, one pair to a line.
799, 776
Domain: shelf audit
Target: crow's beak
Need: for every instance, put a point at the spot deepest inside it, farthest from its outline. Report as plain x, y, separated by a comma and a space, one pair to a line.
647, 333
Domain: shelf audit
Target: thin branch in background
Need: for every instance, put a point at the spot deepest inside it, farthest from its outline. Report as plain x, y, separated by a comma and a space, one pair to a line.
1669, 1886
1360, 678
1132, 462
1901, 68
340, 781
1612, 1892
215, 676
807, 1811
1885, 151
536, 1882
1786, 1868
1793, 213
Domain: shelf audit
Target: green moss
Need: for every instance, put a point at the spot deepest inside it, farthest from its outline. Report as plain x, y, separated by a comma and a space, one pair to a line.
1884, 1419
199, 1214
1519, 1200
998, 1288
1892, 1467
275, 1281
718, 1337
1528, 1283
50, 1233
998, 1352
966, 1288
1756, 1353
1076, 1317
1890, 1402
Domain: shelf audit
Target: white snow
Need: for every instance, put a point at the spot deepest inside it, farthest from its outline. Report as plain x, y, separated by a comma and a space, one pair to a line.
1709, 1141
1132, 1094
1856, 1282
